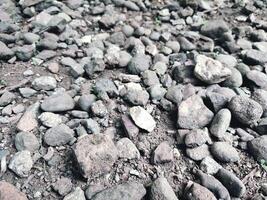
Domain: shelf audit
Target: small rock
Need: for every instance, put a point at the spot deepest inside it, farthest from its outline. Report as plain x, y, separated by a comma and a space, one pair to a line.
209, 166
220, 123
26, 141
99, 109
27, 92
25, 52
198, 192
255, 57
130, 128
234, 185
86, 101
58, 135
224, 152
50, 119
127, 149
161, 189
51, 104
189, 112
10, 192
142, 118
53, 67
210, 71
7, 98
246, 110
92, 126
28, 121
258, 78
139, 63
197, 137
198, 153
95, 154
163, 153
63, 186
21, 163
125, 191
5, 52
44, 83
77, 194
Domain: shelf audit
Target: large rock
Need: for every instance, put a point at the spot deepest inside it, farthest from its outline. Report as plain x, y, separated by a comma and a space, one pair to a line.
258, 147
58, 103
142, 118
193, 114
58, 135
210, 71
125, 191
29, 121
161, 189
21, 163
10, 192
245, 110
95, 154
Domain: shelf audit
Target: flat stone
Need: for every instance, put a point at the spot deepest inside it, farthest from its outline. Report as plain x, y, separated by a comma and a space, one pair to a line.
161, 189
95, 154
142, 118
125, 191
51, 104
224, 152
21, 163
210, 71
58, 135
29, 121
10, 192
193, 114
255, 57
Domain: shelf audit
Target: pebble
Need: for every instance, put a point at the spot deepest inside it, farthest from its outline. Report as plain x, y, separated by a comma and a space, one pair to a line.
63, 186
77, 194
198, 153
142, 118
209, 166
139, 63
196, 191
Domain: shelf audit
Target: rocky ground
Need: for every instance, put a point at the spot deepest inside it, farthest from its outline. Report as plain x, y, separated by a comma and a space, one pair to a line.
133, 100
